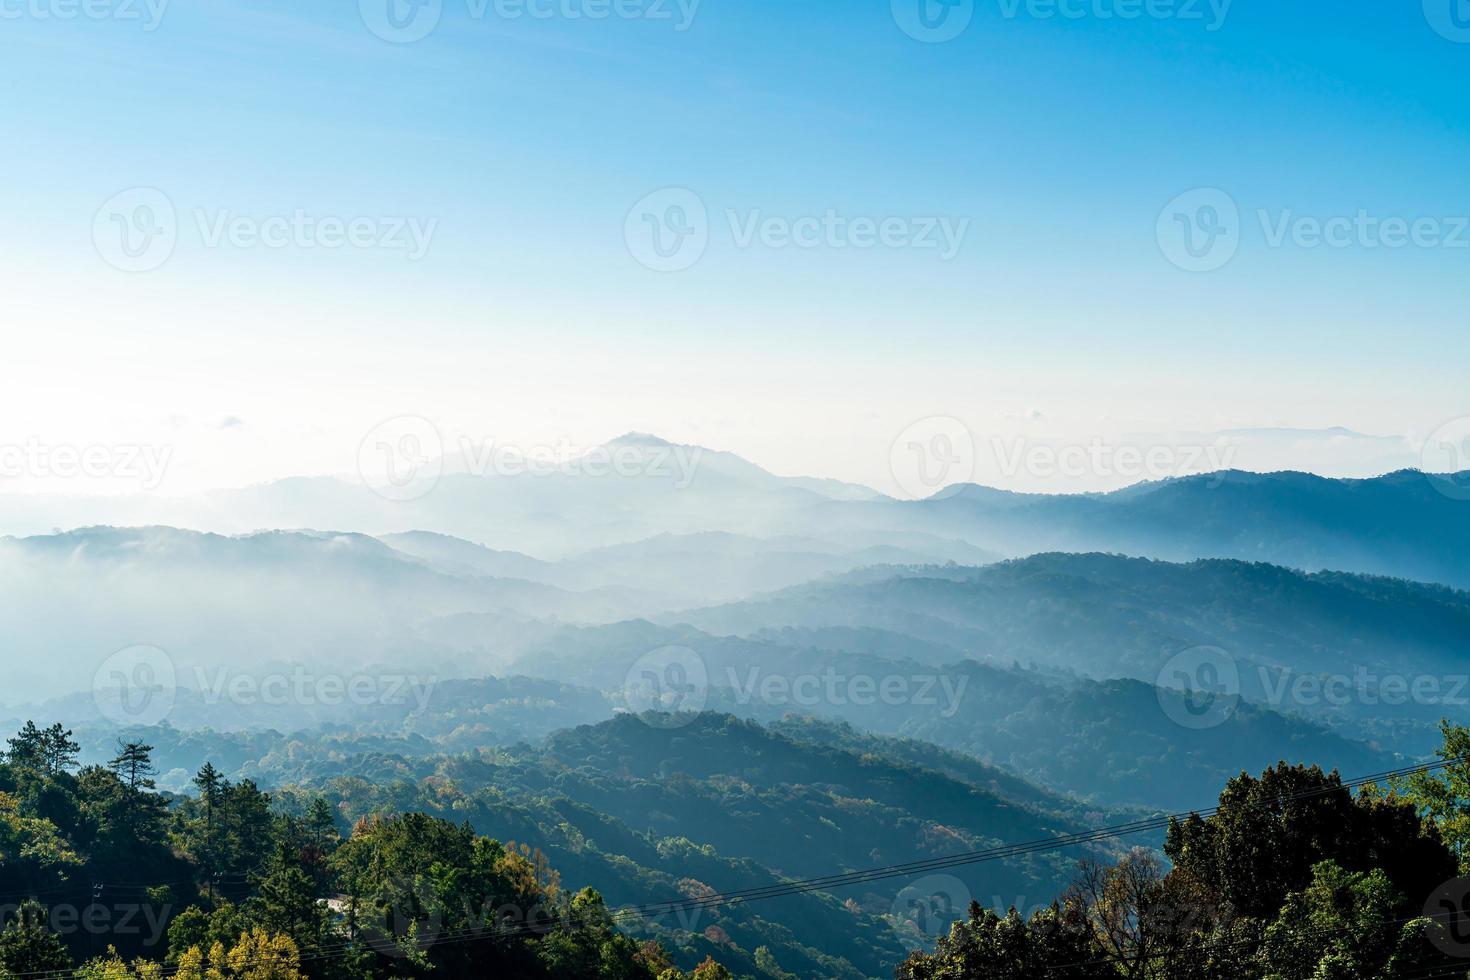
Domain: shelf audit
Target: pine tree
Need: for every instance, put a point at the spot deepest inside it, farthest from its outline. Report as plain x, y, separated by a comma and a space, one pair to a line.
212, 787
321, 821
58, 750
287, 900
27, 750
134, 765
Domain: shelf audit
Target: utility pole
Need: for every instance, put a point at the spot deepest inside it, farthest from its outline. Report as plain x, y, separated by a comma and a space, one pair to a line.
91, 932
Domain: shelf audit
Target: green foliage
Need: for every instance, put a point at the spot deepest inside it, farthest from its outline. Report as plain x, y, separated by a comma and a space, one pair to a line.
766, 963
1270, 832
257, 894
1444, 796
198, 928
28, 946
1050, 943
615, 804
133, 765
1343, 925
43, 753
1293, 877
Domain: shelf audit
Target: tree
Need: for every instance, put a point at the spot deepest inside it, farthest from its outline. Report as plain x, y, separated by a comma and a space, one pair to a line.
765, 961
195, 927
130, 817
321, 822
1270, 832
586, 944
27, 750
211, 786
134, 765
256, 955
1125, 903
287, 901
33, 851
710, 970
1444, 795
58, 750
411, 879
1343, 925
29, 947
245, 826
1058, 943
262, 956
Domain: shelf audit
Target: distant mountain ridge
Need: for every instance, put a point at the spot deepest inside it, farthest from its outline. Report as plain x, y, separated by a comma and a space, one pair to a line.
1402, 523
1106, 616
1045, 665
1398, 524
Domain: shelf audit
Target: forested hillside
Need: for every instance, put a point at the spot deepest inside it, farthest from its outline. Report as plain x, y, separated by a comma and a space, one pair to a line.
652, 814
1107, 616
1295, 876
106, 876
1295, 873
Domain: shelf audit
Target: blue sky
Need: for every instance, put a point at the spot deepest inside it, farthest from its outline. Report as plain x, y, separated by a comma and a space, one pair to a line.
526, 141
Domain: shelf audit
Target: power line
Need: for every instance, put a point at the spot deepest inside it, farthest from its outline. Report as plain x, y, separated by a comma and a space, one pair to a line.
80, 887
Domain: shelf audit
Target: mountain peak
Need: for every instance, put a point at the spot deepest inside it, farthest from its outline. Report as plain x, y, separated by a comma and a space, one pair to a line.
642, 439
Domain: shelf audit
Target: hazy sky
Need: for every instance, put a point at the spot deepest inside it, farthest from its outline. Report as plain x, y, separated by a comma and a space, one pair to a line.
860, 223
